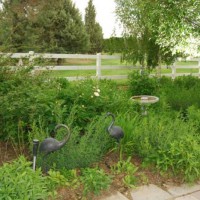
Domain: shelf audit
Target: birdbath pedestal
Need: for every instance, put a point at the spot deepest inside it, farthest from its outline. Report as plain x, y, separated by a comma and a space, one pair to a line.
144, 100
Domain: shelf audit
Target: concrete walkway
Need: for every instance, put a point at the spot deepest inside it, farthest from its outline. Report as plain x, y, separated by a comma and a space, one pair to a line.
167, 192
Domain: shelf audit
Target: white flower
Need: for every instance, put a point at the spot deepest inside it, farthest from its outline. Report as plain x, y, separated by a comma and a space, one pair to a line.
92, 96
96, 94
98, 90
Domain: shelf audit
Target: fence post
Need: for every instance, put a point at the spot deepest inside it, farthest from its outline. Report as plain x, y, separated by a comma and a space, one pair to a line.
20, 62
199, 67
173, 71
98, 66
31, 57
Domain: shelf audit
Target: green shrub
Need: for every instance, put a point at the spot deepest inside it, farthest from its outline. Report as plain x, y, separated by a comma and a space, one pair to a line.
94, 180
55, 178
182, 157
169, 143
71, 176
181, 98
129, 169
193, 116
82, 149
92, 98
19, 181
142, 84
187, 82
183, 93
24, 98
27, 99
127, 122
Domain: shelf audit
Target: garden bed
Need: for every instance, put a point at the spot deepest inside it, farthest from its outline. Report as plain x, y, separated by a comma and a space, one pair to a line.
160, 147
143, 175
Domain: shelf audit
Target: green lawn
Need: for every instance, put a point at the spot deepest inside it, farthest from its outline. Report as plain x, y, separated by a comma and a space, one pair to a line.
70, 73
186, 63
116, 62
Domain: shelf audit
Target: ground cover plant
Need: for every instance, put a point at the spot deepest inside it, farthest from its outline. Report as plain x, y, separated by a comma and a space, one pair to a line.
167, 139
19, 181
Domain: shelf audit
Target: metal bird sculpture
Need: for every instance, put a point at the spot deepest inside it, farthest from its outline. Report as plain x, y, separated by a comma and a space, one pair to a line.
50, 144
114, 131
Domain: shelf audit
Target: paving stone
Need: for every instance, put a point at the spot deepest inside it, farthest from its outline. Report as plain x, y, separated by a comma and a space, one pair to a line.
187, 197
196, 195
182, 190
150, 192
115, 196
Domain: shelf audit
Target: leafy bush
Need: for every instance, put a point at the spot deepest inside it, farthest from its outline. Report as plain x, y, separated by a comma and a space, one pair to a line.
55, 178
94, 180
82, 149
92, 98
129, 169
182, 157
127, 122
142, 84
27, 99
169, 143
193, 116
19, 181
187, 82
24, 98
71, 176
182, 93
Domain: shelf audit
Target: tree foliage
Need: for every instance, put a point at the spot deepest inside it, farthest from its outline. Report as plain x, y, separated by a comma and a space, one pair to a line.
113, 45
37, 25
171, 20
16, 31
159, 25
93, 29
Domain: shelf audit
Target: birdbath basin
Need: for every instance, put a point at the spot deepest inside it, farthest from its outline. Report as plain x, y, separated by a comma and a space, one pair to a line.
144, 100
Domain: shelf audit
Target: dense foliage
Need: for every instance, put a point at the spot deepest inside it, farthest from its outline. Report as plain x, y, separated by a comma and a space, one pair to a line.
157, 27
39, 26
19, 181
93, 29
113, 45
171, 21
167, 138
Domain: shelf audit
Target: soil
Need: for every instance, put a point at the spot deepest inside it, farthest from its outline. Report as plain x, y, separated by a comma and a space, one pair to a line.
9, 152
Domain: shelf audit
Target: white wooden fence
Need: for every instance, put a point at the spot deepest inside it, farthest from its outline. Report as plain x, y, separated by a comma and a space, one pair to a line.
174, 67
99, 67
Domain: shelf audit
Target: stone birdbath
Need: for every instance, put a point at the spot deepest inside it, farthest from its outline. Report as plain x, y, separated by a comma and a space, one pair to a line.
144, 101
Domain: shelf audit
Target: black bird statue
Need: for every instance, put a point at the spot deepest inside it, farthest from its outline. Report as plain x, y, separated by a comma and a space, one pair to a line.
115, 131
50, 144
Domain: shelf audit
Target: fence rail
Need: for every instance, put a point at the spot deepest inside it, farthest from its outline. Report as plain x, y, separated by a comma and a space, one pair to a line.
99, 67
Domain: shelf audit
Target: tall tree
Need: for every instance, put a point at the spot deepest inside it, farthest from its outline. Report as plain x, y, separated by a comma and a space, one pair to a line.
16, 31
93, 28
62, 29
37, 25
163, 24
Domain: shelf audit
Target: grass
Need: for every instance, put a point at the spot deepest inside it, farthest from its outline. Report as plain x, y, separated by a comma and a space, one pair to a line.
169, 71
186, 63
89, 62
115, 62
70, 73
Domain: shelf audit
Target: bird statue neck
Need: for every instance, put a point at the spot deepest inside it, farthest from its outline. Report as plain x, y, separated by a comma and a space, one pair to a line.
113, 120
66, 138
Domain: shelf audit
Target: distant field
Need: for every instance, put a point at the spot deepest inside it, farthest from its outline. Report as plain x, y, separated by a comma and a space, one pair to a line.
116, 62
